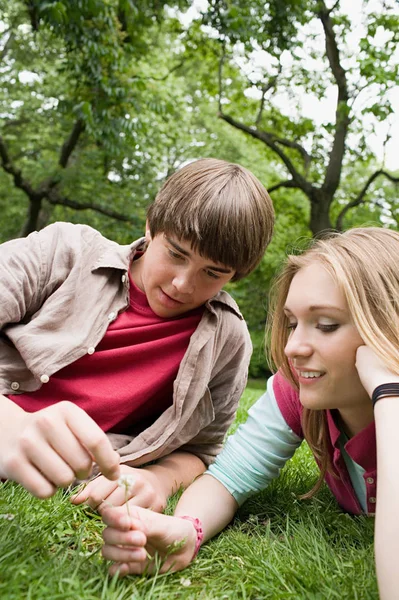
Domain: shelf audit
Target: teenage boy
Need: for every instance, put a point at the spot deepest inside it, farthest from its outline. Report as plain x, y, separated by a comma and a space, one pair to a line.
129, 354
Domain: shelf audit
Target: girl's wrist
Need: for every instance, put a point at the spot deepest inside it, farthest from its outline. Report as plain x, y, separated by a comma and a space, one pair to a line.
385, 390
199, 532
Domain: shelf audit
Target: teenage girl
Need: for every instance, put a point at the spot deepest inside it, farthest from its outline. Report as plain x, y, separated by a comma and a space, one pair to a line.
335, 342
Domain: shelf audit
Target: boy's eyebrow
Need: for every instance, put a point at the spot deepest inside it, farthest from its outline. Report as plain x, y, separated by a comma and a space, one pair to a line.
186, 253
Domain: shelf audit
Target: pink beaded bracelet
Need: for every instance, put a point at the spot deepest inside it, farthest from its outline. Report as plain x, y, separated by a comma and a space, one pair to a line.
200, 533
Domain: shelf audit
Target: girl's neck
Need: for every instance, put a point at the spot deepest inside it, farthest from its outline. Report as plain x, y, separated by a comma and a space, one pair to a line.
353, 420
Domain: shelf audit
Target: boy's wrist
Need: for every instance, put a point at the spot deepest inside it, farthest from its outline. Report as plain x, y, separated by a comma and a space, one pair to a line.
162, 483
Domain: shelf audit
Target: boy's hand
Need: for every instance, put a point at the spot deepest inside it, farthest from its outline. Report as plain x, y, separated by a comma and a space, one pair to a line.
131, 541
372, 370
52, 447
145, 491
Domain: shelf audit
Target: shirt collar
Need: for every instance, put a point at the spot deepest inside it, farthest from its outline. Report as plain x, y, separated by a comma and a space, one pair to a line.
361, 447
118, 257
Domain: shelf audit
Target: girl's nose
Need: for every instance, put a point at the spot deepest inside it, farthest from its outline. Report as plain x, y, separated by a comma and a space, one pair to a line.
297, 345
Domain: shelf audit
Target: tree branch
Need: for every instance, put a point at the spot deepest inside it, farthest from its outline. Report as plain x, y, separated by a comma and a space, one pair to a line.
334, 167
272, 142
172, 70
220, 76
70, 143
47, 189
290, 144
6, 46
283, 184
16, 174
361, 195
54, 198
265, 88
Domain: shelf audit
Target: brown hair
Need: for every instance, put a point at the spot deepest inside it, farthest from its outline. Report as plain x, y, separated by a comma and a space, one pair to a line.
363, 263
221, 208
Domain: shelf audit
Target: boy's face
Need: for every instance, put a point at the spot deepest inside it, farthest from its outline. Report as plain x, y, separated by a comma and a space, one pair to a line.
174, 278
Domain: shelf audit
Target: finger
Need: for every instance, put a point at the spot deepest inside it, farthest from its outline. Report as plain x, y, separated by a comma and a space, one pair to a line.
144, 499
118, 518
123, 569
97, 492
70, 451
116, 497
116, 537
92, 437
32, 480
46, 460
123, 553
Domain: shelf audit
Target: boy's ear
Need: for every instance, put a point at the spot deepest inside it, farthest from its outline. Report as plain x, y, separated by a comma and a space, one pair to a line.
147, 232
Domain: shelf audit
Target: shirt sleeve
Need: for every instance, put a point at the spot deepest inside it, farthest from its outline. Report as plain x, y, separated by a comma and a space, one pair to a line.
257, 451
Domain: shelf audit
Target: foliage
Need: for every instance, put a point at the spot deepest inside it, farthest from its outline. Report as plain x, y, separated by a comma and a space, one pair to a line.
89, 104
276, 55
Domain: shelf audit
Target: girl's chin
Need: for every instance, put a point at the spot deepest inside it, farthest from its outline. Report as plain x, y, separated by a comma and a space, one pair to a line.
312, 403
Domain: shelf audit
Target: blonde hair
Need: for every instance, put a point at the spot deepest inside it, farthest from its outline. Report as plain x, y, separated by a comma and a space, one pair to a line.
364, 264
221, 208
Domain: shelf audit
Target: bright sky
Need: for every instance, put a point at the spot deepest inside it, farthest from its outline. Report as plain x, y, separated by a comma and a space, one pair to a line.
323, 110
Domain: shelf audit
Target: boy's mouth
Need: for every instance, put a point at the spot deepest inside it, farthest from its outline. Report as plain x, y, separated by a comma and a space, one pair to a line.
170, 298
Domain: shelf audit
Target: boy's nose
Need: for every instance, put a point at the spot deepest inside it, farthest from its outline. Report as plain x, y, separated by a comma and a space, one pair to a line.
184, 283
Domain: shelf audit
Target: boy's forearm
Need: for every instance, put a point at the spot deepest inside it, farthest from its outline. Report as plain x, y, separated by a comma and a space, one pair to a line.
387, 519
178, 469
209, 501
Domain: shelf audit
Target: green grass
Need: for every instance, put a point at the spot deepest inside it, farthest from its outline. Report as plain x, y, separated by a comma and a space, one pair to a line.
277, 547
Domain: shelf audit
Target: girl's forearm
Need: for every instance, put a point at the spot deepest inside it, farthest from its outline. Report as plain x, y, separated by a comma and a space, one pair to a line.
387, 515
208, 500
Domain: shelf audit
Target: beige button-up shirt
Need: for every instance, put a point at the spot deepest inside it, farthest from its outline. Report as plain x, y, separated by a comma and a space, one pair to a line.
61, 287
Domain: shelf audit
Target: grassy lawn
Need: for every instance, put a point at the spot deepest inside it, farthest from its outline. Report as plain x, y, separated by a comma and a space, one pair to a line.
277, 547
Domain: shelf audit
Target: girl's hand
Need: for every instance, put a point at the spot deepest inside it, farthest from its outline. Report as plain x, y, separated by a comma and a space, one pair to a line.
145, 491
145, 541
372, 370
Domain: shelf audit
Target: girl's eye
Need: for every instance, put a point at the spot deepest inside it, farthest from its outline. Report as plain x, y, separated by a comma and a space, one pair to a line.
291, 326
327, 328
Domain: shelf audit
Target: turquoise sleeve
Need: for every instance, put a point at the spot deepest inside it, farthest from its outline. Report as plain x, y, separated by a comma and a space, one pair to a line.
256, 452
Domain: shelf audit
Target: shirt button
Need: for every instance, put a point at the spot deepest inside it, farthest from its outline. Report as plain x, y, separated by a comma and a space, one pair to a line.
15, 386
370, 480
90, 350
372, 500
44, 378
123, 278
111, 316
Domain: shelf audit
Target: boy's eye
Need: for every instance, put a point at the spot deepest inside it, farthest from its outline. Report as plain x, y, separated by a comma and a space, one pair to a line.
175, 255
212, 274
327, 328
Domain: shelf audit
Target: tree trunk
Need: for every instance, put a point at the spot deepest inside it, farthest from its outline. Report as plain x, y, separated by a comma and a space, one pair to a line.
32, 219
320, 202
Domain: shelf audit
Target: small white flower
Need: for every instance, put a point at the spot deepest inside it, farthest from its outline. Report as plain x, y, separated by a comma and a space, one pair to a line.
7, 516
126, 481
185, 582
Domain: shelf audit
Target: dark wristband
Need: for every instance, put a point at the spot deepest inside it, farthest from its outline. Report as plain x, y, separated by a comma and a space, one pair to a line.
385, 390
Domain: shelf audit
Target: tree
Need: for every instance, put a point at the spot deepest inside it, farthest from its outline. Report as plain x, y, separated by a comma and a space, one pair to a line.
286, 35
77, 89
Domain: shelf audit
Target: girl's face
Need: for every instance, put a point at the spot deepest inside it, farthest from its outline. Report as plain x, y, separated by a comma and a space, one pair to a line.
322, 343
